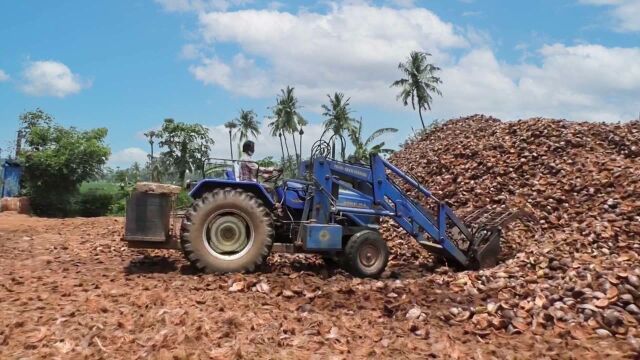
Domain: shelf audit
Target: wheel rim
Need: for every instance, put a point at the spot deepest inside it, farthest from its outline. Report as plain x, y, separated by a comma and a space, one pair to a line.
369, 255
228, 234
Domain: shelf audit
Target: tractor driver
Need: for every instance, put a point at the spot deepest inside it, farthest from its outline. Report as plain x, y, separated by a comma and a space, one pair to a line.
248, 168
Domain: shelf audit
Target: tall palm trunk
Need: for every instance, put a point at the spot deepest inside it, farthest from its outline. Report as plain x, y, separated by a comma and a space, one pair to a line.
281, 148
300, 146
286, 144
230, 144
295, 146
420, 113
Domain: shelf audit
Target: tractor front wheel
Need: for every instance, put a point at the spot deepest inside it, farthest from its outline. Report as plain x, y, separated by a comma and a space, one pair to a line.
366, 254
227, 230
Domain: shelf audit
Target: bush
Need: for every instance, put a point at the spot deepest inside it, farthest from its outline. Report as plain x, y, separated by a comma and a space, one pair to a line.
52, 203
94, 202
57, 160
183, 200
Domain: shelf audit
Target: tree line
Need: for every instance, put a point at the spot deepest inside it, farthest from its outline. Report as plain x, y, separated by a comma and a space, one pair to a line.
187, 146
57, 160
417, 87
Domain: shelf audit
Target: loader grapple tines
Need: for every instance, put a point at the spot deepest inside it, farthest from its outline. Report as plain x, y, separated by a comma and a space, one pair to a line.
492, 218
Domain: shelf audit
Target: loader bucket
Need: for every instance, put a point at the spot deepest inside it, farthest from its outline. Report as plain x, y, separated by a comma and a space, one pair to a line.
486, 225
485, 250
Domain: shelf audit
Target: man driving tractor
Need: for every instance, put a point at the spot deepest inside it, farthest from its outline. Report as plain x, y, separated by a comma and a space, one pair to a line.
249, 169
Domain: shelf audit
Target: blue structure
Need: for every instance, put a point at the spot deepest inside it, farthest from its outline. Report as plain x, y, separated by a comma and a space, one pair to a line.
11, 174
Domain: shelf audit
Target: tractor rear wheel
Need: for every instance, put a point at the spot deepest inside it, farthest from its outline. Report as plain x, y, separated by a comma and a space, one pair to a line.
366, 254
227, 230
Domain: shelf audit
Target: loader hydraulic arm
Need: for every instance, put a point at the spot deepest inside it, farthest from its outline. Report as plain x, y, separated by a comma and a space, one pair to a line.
475, 246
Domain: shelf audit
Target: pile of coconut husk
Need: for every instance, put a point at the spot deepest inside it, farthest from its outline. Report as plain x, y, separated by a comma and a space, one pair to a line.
577, 272
20, 205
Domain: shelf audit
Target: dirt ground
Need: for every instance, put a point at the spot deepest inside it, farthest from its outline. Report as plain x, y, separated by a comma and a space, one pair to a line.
71, 289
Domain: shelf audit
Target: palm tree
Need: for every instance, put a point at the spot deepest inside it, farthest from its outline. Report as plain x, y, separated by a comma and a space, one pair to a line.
420, 82
231, 125
151, 134
363, 147
276, 130
247, 125
154, 167
287, 119
338, 116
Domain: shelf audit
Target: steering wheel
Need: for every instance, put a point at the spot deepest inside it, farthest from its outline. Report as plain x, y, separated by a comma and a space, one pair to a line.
277, 173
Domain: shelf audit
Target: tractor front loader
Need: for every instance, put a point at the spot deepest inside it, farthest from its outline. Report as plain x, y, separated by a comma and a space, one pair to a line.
334, 211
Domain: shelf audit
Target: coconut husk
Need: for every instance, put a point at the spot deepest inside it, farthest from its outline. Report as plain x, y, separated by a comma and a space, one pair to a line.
157, 188
18, 204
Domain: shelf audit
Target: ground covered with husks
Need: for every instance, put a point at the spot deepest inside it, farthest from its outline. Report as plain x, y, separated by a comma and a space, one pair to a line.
566, 287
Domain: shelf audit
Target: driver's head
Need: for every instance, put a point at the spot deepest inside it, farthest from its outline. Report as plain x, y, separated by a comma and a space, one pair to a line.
248, 147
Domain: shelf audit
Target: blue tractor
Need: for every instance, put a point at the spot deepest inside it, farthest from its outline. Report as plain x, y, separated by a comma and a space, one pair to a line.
333, 209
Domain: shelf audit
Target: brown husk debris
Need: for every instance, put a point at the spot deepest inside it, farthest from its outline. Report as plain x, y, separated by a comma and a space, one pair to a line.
566, 287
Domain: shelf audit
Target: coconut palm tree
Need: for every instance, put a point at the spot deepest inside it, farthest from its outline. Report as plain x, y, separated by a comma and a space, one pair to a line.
154, 166
151, 134
338, 113
276, 130
289, 116
231, 125
287, 119
364, 147
420, 82
247, 125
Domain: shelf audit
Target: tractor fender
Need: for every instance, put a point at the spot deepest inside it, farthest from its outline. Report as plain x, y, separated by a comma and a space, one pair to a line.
208, 185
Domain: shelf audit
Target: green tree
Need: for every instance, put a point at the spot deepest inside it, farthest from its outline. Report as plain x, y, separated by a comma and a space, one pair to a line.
267, 162
57, 160
231, 125
338, 113
364, 147
247, 125
187, 146
29, 120
420, 82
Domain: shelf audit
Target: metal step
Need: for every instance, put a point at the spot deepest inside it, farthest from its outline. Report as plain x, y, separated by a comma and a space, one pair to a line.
432, 247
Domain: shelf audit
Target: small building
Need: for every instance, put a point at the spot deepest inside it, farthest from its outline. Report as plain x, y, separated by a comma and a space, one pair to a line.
11, 174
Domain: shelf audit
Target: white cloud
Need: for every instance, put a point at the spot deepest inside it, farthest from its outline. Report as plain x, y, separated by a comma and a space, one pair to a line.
126, 157
356, 48
241, 75
625, 13
51, 78
320, 53
568, 83
3, 76
190, 52
201, 5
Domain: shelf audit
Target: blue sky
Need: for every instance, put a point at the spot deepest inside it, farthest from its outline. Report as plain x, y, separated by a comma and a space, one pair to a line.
127, 65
